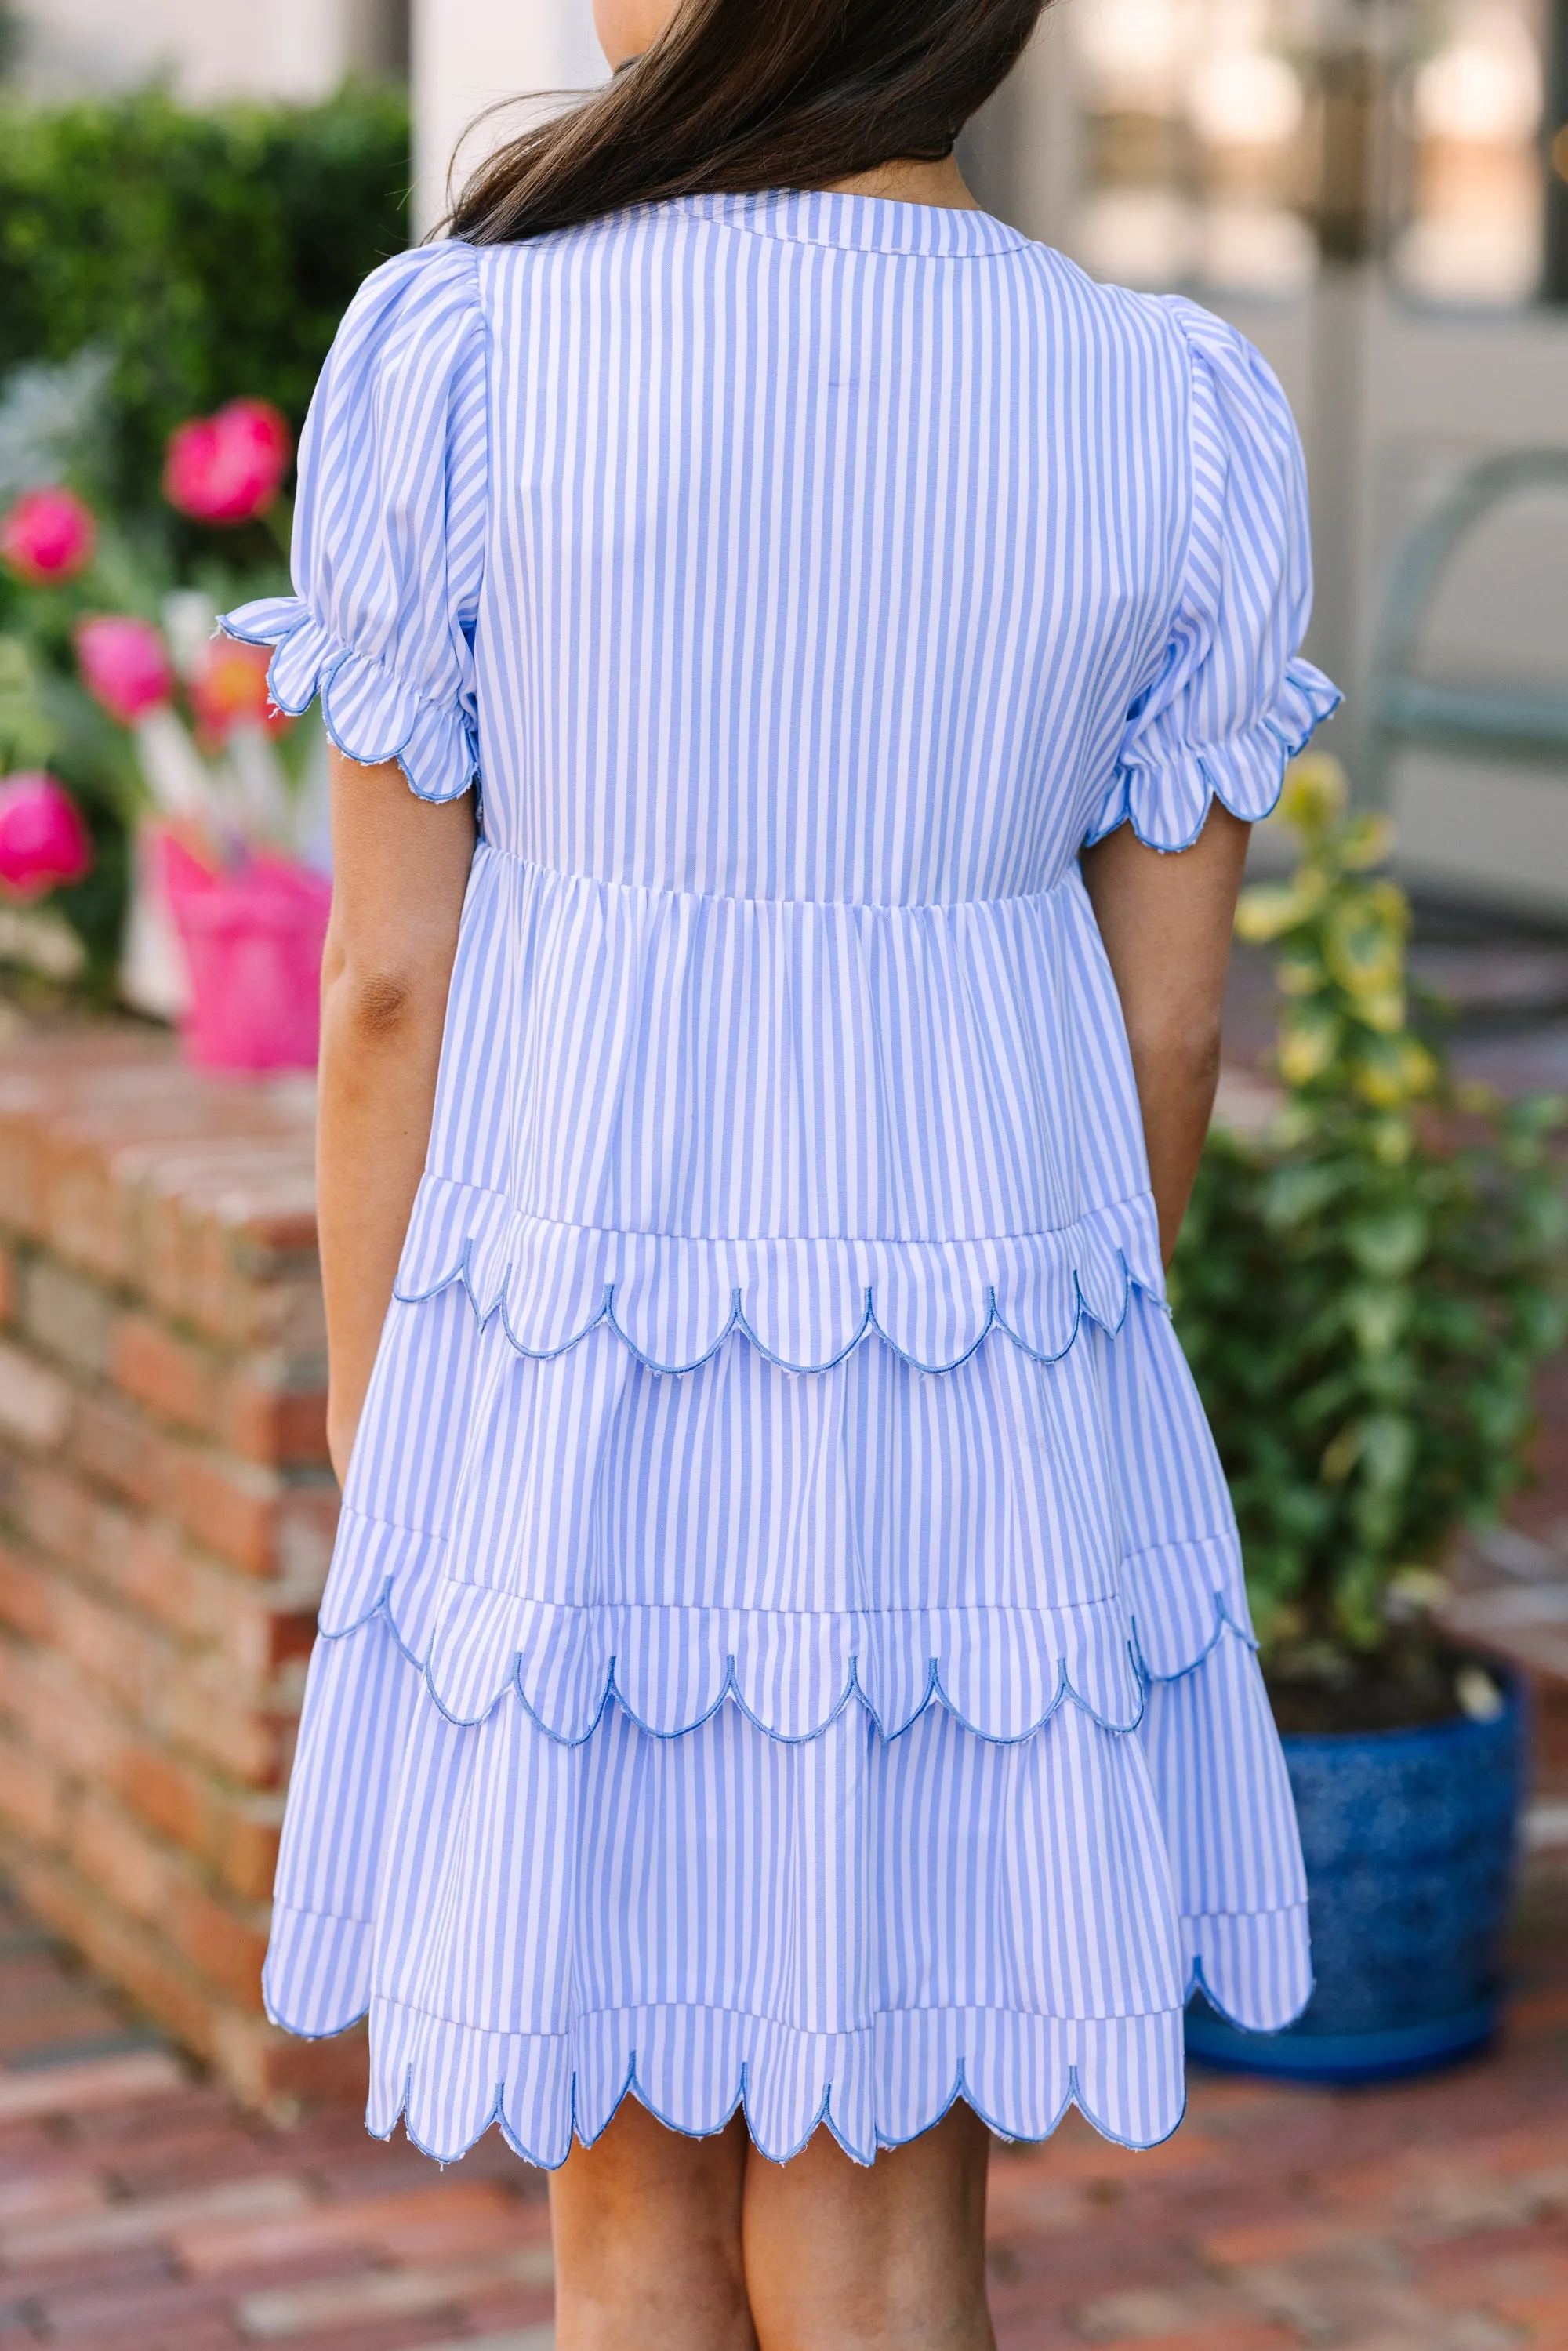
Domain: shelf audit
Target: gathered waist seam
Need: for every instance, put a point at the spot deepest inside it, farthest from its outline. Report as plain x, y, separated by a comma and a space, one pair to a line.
808, 905
1133, 1200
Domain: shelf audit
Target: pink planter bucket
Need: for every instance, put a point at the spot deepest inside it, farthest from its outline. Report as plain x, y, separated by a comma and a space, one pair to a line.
253, 941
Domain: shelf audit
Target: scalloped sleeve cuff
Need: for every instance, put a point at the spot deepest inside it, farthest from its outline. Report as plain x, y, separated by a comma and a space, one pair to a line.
370, 713
1165, 789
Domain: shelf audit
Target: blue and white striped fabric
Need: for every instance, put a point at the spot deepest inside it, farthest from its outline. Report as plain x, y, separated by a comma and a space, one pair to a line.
786, 1646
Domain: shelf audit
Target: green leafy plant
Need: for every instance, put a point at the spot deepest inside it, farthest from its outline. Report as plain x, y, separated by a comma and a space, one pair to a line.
204, 253
1366, 1290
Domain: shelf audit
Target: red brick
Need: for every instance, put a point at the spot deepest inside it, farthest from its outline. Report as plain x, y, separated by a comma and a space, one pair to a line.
170, 1374
307, 1528
54, 1510
21, 1153
67, 1315
166, 1791
127, 1953
62, 1716
206, 1233
449, 2221
118, 1860
229, 1507
243, 1830
154, 1571
130, 2078
273, 1425
233, 1831
249, 1742
1284, 2237
217, 1941
26, 1593
257, 1624
113, 1445
269, 2068
36, 1404
30, 1794
123, 1653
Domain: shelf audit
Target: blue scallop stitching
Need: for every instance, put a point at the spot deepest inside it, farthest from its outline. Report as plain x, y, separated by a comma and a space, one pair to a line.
324, 674
1224, 1622
460, 1271
1290, 742
1199, 1981
934, 1693
741, 2104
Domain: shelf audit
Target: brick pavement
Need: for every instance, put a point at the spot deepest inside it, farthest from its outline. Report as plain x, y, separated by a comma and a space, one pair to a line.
142, 2208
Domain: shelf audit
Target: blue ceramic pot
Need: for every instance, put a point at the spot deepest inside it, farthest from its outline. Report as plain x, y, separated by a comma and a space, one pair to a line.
1409, 1839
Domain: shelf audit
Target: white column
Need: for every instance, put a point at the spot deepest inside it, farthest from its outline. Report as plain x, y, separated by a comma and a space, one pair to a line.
469, 53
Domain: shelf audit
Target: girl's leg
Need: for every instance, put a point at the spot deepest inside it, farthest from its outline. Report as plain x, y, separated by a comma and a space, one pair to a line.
647, 2239
842, 2256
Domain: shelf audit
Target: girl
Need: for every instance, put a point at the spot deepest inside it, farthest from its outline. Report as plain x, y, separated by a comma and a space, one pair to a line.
801, 661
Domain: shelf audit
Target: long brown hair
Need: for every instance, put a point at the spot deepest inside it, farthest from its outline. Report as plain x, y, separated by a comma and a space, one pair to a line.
740, 95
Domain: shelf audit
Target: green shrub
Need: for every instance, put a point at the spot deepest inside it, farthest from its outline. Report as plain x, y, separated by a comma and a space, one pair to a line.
208, 253
1365, 1291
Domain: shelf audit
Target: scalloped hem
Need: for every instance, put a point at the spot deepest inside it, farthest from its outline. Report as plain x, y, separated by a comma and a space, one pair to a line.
873, 2089
370, 716
674, 1302
1253, 1967
1167, 795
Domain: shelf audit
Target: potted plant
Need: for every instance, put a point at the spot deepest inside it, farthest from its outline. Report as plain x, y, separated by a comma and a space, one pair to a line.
1364, 1290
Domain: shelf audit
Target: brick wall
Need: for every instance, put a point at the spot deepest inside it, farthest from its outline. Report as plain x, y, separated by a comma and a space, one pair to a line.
166, 1515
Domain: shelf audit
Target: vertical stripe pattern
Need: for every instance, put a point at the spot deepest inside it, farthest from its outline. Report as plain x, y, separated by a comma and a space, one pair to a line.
787, 1647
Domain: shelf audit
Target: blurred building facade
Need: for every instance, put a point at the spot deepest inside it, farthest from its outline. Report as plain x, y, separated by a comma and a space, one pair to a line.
1376, 191
285, 48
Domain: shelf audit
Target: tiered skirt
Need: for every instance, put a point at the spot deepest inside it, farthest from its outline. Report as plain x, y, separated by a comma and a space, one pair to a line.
829, 1744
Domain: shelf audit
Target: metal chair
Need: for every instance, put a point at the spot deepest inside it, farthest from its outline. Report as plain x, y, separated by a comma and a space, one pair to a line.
1521, 723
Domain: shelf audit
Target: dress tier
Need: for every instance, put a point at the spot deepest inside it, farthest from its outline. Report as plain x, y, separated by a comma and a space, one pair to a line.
786, 1646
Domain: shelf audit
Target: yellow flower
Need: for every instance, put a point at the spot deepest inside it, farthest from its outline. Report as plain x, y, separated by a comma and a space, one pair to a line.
1271, 908
1300, 973
1363, 947
1309, 1040
1393, 1071
1315, 793
1366, 841
1381, 1009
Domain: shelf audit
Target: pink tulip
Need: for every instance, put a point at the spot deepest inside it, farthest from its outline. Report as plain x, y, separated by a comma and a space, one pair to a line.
43, 840
124, 665
228, 468
48, 534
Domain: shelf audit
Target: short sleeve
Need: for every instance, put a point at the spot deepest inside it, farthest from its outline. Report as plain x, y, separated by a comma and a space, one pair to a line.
388, 528
1232, 700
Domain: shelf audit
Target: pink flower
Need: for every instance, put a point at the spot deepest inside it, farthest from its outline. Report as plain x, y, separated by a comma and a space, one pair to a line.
228, 468
43, 840
48, 535
229, 690
124, 665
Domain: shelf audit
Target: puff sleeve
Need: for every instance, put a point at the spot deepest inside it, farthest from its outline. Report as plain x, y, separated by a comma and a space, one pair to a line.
1231, 701
388, 528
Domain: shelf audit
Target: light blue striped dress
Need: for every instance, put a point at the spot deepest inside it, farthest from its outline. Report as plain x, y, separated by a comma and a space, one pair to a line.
785, 1646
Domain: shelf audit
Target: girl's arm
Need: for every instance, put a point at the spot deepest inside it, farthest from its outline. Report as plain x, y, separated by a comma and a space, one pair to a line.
1167, 922
400, 869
